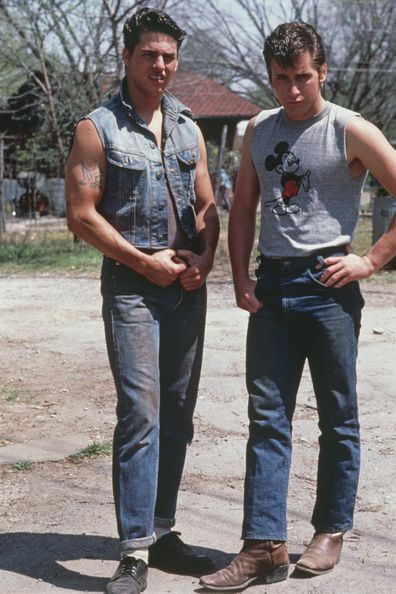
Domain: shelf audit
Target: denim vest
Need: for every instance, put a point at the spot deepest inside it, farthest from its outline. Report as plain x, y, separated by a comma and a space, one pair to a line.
139, 175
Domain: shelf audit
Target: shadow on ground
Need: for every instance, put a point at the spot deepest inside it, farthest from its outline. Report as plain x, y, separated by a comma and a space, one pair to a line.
40, 557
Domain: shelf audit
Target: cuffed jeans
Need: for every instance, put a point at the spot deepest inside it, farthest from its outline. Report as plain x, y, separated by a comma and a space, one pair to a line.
301, 319
154, 339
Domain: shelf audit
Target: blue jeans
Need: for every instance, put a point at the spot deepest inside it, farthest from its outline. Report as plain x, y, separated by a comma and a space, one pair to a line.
154, 339
301, 319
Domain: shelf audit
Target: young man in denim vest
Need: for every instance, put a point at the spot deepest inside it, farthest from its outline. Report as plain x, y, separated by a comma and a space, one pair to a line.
138, 190
308, 160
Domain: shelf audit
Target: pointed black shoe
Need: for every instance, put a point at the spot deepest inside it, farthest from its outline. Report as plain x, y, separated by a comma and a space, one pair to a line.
170, 553
130, 577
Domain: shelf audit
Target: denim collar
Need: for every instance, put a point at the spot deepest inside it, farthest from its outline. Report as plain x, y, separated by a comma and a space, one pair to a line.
171, 108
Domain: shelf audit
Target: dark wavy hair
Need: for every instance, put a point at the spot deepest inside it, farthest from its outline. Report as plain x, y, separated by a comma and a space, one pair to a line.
150, 19
289, 41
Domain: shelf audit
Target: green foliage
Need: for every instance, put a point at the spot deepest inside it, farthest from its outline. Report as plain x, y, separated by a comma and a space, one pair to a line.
37, 154
23, 465
231, 159
94, 450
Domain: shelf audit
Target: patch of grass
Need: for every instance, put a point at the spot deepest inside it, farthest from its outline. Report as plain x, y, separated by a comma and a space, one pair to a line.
363, 236
55, 252
94, 450
23, 465
47, 251
10, 393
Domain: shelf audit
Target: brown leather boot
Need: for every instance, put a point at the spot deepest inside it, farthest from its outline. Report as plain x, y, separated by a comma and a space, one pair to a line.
322, 553
263, 561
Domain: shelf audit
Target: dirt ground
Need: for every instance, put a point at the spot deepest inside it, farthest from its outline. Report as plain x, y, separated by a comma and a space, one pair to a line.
57, 527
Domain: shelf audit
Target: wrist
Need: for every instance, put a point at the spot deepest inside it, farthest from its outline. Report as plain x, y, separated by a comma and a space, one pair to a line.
370, 265
141, 263
208, 257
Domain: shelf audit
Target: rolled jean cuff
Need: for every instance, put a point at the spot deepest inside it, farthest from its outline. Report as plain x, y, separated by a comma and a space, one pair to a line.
125, 546
164, 523
264, 536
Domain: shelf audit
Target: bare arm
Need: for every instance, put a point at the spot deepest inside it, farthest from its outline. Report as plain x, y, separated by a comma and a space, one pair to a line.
207, 227
369, 147
242, 226
85, 178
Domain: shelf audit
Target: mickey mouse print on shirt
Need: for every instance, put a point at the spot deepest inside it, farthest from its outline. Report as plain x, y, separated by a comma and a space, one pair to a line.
292, 179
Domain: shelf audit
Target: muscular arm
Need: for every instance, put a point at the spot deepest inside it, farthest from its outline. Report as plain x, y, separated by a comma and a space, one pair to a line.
367, 146
207, 226
242, 225
85, 178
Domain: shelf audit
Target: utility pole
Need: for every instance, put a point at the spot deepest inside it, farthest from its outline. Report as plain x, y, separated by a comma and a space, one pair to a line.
220, 160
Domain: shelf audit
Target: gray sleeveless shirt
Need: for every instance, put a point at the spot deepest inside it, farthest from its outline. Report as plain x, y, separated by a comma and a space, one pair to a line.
309, 199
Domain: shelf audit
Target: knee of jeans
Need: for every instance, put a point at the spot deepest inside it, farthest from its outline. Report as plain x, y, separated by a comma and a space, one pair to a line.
342, 428
178, 432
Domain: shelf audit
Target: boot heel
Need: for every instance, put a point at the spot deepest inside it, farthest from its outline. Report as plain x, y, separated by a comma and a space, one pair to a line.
278, 575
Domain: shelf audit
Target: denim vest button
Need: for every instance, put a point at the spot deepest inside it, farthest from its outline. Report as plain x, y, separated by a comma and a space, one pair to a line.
153, 145
159, 174
161, 206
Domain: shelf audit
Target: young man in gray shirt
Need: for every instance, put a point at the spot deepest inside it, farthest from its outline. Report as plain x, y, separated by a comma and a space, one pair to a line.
308, 161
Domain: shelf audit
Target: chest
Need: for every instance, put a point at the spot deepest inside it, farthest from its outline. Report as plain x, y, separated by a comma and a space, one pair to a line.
155, 125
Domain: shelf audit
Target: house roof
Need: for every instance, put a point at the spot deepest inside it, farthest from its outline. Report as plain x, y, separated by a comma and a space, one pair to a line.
208, 99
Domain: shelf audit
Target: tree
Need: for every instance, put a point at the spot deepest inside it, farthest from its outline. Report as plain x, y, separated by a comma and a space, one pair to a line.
359, 36
64, 58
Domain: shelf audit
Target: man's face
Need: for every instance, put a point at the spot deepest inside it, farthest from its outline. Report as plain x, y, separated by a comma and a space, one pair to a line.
298, 88
152, 63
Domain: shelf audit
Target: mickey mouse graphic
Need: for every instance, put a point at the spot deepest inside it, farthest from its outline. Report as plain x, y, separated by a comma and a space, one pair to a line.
286, 164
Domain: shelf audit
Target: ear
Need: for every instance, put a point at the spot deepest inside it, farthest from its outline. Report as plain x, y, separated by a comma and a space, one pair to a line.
322, 74
281, 148
125, 56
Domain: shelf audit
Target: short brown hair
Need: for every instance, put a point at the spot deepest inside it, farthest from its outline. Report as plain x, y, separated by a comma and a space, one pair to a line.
150, 19
290, 40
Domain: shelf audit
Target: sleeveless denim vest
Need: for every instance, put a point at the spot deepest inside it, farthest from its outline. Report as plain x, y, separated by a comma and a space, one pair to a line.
139, 173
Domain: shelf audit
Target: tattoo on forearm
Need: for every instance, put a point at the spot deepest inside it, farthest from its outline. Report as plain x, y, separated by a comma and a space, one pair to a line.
92, 175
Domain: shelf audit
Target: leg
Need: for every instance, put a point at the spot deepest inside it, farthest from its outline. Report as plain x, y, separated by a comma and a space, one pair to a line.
132, 336
333, 335
275, 360
181, 346
333, 338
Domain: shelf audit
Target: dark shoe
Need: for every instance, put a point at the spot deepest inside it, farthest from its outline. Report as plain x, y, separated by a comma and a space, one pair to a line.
322, 553
261, 561
170, 553
130, 577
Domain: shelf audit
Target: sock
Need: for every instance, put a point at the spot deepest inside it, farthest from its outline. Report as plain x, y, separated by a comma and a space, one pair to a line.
138, 554
160, 531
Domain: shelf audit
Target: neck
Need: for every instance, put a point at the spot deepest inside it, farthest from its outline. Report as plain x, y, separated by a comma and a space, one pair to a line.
147, 106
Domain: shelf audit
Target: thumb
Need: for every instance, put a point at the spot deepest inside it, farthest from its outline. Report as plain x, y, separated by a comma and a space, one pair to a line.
185, 255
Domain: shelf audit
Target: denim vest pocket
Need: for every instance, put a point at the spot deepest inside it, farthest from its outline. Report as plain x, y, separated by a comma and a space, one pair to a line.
130, 191
187, 161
